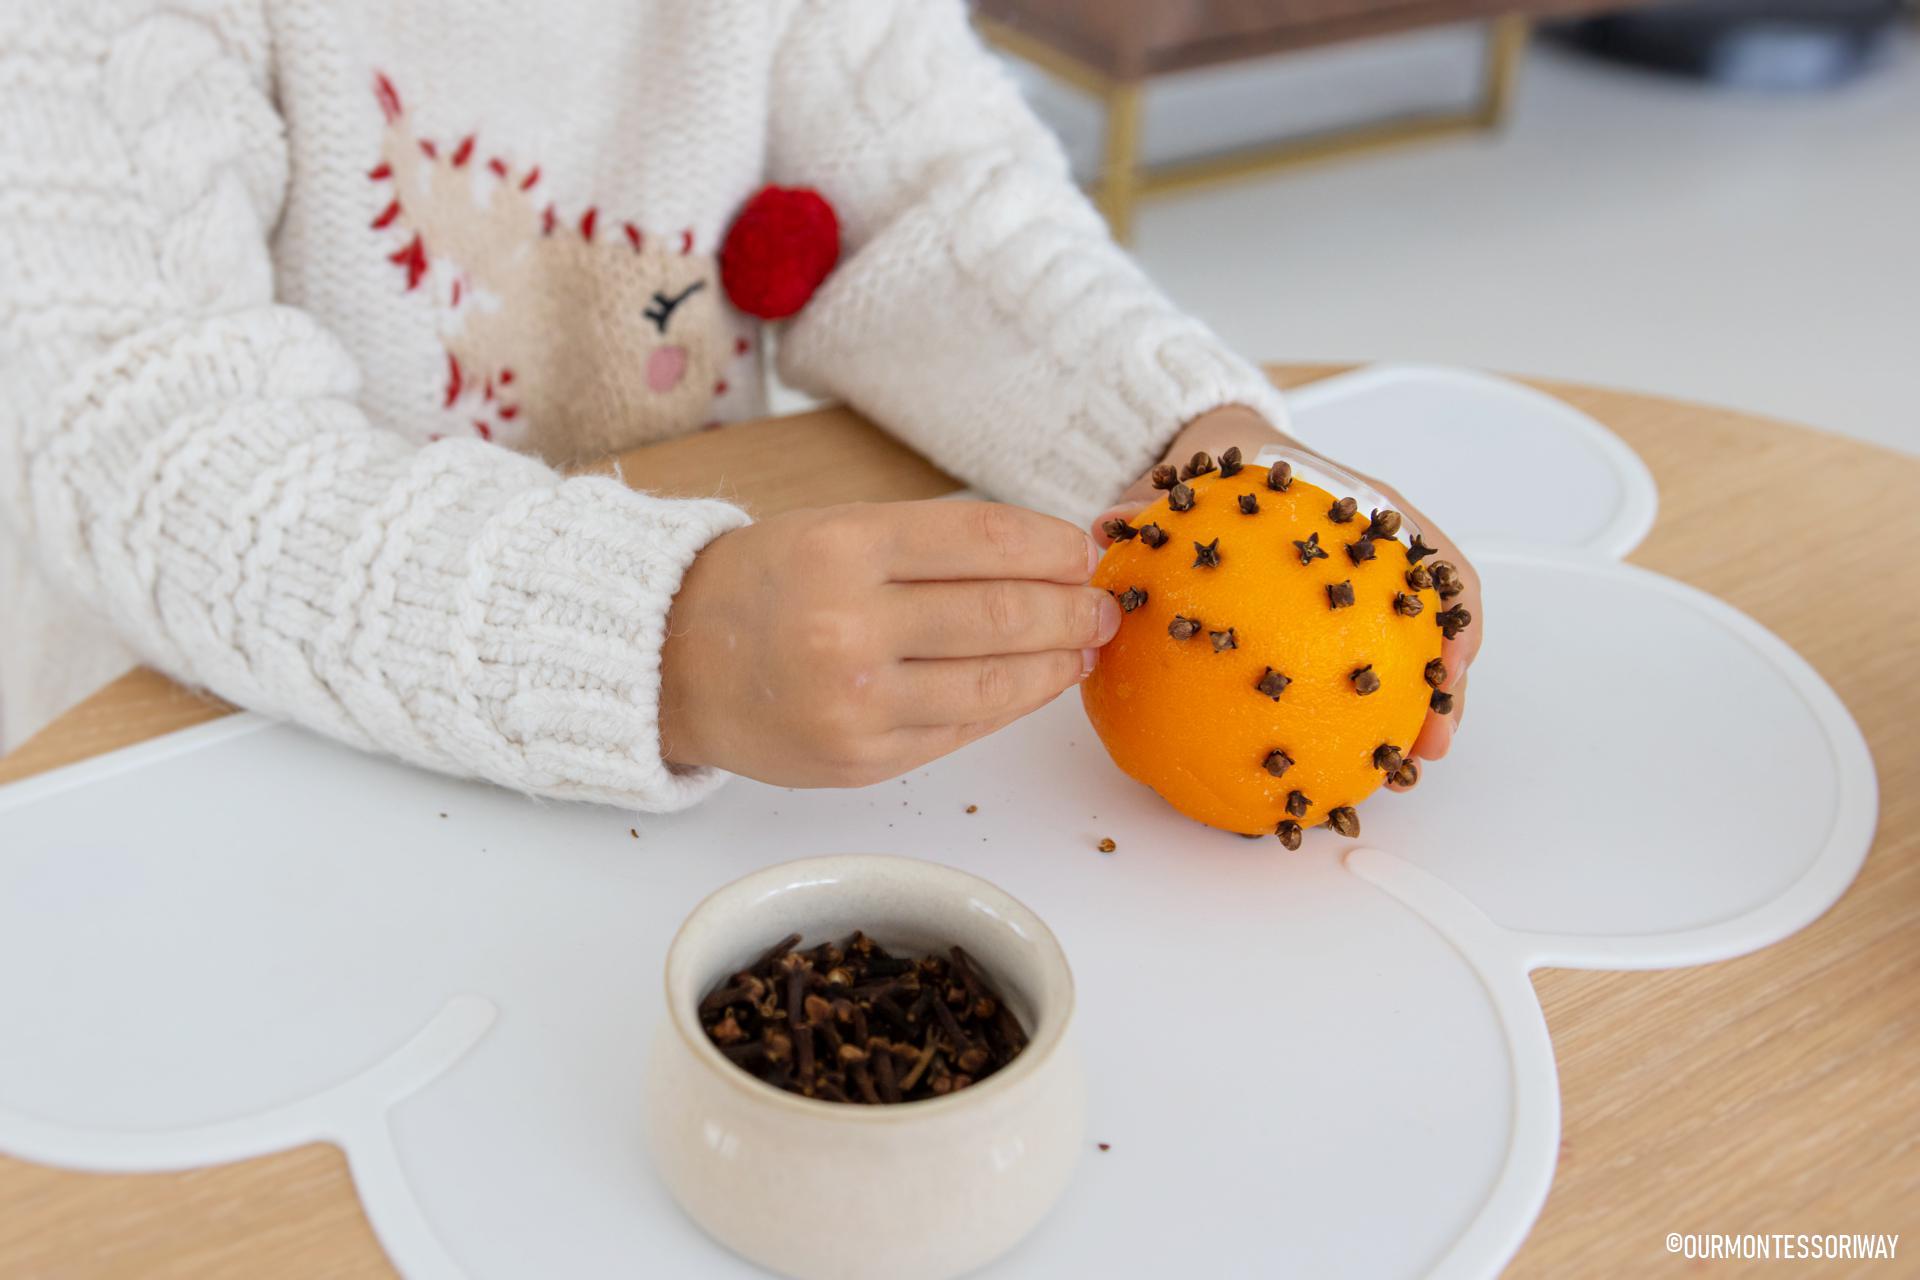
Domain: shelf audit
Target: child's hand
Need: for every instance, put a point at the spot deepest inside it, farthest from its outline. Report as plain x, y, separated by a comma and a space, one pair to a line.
1221, 429
844, 645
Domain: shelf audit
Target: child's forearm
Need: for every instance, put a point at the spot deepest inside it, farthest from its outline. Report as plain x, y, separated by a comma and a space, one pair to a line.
981, 311
189, 458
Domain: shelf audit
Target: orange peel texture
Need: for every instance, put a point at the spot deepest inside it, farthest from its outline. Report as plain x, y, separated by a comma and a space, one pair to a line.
1274, 661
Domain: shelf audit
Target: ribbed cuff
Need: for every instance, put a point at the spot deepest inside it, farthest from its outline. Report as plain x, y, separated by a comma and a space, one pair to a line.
559, 630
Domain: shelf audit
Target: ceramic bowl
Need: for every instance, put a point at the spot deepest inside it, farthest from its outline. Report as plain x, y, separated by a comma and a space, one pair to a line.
815, 1189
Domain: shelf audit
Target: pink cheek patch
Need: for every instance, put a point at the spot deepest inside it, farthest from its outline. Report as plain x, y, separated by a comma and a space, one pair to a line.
665, 367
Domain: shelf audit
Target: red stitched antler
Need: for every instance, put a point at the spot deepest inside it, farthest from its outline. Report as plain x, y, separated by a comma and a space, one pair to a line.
433, 201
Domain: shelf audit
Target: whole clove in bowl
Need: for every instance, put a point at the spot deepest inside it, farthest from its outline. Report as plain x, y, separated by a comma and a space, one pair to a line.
852, 1164
852, 1022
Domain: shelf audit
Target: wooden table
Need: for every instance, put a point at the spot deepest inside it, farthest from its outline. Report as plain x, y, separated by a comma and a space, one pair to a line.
1775, 1093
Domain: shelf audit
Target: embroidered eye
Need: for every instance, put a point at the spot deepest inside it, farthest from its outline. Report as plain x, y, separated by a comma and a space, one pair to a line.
663, 306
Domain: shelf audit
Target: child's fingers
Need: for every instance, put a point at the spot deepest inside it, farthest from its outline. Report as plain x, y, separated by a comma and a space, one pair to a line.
1436, 733
920, 744
1139, 493
971, 619
950, 691
1435, 737
1459, 652
948, 541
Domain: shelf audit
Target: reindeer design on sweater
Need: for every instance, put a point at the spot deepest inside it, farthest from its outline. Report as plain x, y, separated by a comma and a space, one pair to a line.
572, 338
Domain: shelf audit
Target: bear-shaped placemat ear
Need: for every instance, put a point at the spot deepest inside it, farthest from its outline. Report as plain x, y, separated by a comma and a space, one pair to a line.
1492, 462
781, 246
1650, 777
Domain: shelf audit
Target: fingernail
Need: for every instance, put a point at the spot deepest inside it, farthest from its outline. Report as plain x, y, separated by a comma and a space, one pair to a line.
1088, 657
1108, 624
1093, 556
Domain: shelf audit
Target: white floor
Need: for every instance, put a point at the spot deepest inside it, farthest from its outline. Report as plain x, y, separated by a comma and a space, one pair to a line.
1627, 229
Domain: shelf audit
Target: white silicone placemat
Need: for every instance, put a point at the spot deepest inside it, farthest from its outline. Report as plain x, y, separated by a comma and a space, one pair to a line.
241, 938
1559, 479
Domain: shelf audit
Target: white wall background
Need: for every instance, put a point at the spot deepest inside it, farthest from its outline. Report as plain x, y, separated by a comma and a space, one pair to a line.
1628, 229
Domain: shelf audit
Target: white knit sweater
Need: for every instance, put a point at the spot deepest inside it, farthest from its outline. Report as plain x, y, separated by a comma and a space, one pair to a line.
279, 279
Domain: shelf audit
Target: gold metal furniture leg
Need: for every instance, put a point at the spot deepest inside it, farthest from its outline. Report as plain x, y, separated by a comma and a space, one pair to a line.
1506, 47
1120, 166
1125, 180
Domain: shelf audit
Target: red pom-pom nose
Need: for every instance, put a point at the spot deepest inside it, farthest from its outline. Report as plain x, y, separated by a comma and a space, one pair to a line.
778, 250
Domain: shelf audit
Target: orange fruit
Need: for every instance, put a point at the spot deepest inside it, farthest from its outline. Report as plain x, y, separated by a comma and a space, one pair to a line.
1241, 685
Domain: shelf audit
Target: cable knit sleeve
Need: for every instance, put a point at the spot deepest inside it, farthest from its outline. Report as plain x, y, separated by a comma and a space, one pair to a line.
981, 312
190, 459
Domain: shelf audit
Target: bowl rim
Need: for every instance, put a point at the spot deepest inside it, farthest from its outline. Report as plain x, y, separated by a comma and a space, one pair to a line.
1042, 1046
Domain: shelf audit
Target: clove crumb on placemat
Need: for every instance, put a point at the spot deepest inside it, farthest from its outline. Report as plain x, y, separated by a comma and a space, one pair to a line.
973, 808
634, 832
1106, 844
1105, 1146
